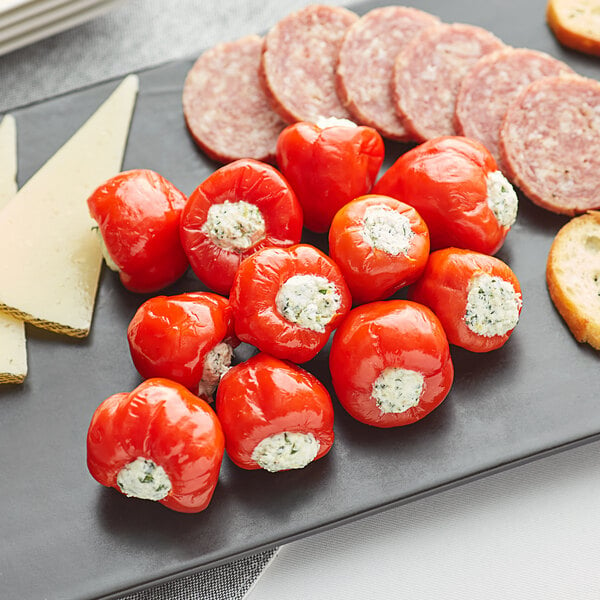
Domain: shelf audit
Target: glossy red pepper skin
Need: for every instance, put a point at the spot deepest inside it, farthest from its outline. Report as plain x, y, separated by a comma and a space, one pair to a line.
265, 396
138, 214
253, 299
170, 336
328, 167
164, 422
445, 180
371, 273
396, 334
444, 287
251, 181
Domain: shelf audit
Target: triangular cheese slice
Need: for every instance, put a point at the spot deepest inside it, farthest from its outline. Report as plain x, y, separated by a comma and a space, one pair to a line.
50, 257
13, 351
8, 160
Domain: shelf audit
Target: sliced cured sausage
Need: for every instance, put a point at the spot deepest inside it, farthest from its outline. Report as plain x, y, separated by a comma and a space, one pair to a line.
225, 107
492, 84
366, 61
550, 143
428, 73
298, 63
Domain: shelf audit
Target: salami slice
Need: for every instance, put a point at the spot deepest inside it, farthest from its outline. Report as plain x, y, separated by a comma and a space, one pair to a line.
225, 107
366, 61
550, 143
492, 84
298, 63
428, 73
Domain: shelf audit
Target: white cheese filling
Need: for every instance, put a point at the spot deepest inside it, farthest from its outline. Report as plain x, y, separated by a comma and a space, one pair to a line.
234, 226
110, 263
326, 122
502, 199
492, 305
387, 230
396, 390
284, 451
216, 364
143, 478
310, 301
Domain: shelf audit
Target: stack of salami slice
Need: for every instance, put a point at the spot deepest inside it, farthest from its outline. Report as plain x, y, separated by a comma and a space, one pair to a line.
412, 77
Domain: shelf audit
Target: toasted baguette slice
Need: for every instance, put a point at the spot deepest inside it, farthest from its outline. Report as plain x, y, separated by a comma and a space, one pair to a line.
573, 276
576, 23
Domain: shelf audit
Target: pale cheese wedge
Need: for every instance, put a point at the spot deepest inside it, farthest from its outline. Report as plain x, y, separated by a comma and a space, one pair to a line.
13, 351
50, 256
8, 160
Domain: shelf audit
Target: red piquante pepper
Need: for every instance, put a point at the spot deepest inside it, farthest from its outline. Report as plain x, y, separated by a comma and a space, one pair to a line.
476, 297
455, 185
242, 207
138, 214
188, 338
287, 301
159, 442
390, 363
275, 415
328, 164
380, 245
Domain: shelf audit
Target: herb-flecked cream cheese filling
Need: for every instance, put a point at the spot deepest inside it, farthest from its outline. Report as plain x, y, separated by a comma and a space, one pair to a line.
108, 259
502, 199
143, 478
387, 230
234, 226
309, 301
286, 450
492, 305
216, 364
327, 122
396, 390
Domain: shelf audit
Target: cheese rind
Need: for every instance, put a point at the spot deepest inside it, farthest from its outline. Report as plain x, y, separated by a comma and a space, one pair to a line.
50, 258
13, 350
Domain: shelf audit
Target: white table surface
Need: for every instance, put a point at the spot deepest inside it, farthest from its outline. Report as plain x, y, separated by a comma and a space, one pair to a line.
530, 532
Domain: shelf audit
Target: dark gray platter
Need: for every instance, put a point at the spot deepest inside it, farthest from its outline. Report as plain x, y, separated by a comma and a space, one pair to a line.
63, 536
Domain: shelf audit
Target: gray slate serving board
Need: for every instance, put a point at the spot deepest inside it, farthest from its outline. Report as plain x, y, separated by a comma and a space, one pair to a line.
64, 537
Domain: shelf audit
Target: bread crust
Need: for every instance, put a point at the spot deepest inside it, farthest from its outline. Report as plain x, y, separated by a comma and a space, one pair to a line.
576, 292
572, 24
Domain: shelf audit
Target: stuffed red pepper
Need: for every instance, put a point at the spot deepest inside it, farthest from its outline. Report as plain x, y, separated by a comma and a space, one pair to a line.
476, 297
390, 363
455, 185
380, 245
138, 214
328, 164
188, 338
159, 442
287, 301
275, 415
242, 207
